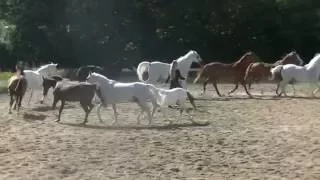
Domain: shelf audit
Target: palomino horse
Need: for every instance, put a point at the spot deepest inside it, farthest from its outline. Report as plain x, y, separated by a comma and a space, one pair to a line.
215, 71
259, 71
114, 92
82, 92
34, 78
158, 71
291, 73
17, 87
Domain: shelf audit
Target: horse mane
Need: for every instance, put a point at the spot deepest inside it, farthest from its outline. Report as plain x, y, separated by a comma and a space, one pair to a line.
314, 60
184, 56
242, 58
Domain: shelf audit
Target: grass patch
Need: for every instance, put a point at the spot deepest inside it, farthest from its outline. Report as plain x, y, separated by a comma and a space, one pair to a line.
4, 76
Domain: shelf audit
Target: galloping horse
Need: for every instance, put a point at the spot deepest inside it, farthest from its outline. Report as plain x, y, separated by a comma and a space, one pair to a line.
113, 92
157, 71
290, 74
35, 78
259, 71
17, 87
215, 71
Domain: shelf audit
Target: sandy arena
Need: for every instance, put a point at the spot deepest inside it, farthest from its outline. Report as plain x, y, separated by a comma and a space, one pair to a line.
263, 138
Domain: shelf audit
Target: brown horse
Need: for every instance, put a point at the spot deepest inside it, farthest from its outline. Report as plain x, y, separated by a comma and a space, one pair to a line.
258, 71
17, 87
82, 92
215, 71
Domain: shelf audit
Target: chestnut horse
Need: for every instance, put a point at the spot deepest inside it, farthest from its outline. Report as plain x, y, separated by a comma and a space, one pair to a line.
215, 71
258, 71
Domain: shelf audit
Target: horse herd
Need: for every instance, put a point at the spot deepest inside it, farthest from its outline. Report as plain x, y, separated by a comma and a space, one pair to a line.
246, 71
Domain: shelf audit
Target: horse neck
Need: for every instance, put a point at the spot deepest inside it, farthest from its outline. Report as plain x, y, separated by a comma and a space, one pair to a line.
184, 64
43, 71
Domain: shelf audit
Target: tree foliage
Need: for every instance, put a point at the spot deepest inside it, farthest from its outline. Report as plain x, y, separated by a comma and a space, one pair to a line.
119, 33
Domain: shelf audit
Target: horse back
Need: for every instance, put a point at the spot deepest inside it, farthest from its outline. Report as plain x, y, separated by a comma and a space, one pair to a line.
74, 92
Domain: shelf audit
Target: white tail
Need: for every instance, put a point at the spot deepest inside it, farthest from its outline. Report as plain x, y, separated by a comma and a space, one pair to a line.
142, 67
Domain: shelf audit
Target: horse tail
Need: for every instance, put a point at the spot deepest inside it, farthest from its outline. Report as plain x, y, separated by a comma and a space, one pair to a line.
276, 73
191, 99
200, 74
246, 76
99, 94
143, 67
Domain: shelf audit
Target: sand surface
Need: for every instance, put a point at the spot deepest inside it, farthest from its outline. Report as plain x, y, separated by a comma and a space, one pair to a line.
262, 138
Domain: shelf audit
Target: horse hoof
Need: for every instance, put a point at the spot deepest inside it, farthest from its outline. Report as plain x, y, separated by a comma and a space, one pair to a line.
57, 120
9, 112
41, 102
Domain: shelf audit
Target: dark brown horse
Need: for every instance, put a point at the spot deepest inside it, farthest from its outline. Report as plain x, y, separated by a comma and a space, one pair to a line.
82, 92
216, 71
17, 87
259, 71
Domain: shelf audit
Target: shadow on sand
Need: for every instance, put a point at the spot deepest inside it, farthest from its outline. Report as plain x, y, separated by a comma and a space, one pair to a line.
230, 98
34, 117
49, 108
139, 127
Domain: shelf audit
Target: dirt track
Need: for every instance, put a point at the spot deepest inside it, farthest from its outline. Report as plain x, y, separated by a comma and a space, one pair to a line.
246, 139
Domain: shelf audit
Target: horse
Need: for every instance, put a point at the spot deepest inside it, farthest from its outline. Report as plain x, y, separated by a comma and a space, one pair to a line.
157, 71
215, 71
166, 97
17, 86
291, 74
82, 92
34, 78
258, 71
83, 71
114, 92
47, 83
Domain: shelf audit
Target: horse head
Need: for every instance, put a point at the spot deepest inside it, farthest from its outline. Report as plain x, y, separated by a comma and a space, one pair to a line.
292, 58
197, 58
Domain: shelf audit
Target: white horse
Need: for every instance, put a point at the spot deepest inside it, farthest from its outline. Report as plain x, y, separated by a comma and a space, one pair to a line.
175, 96
114, 92
290, 73
158, 71
35, 78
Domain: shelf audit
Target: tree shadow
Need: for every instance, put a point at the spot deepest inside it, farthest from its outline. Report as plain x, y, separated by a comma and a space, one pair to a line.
140, 127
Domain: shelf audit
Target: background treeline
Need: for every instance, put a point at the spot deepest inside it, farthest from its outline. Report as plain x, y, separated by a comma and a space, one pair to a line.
121, 33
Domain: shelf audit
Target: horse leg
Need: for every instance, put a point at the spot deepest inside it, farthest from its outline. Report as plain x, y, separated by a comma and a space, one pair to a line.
245, 88
31, 94
60, 110
294, 89
18, 102
234, 89
204, 86
283, 88
11, 103
214, 83
86, 109
277, 90
114, 107
316, 90
144, 107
